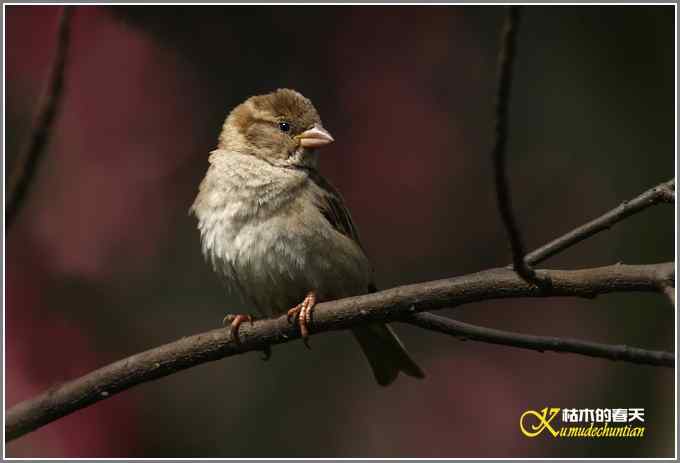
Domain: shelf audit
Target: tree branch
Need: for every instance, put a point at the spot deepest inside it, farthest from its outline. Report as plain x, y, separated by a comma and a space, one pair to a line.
669, 291
540, 343
26, 164
385, 306
397, 304
662, 193
506, 57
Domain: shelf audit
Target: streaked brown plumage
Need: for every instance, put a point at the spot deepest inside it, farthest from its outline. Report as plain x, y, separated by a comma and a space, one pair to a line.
277, 230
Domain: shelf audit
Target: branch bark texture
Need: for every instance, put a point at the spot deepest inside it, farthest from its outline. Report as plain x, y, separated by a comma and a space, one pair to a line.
396, 304
662, 193
506, 58
466, 331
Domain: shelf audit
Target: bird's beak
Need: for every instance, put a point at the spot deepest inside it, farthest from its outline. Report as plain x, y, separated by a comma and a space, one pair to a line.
314, 137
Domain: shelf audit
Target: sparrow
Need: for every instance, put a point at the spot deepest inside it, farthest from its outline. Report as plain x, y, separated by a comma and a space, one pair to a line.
278, 232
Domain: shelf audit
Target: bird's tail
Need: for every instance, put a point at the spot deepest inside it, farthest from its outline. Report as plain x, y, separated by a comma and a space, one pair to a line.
385, 352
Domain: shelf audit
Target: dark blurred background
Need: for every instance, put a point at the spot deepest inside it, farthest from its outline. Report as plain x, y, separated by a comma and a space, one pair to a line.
104, 261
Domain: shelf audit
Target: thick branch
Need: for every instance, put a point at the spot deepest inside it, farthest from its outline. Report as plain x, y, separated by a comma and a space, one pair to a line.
663, 193
26, 164
540, 343
390, 305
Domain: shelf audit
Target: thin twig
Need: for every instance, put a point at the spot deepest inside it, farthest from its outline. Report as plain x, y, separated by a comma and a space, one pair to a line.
669, 291
540, 343
662, 193
384, 306
26, 164
506, 58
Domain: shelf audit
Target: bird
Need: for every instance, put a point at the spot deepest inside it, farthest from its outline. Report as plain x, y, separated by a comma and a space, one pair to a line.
278, 232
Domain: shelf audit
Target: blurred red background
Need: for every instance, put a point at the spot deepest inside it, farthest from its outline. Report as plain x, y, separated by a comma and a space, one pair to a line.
104, 261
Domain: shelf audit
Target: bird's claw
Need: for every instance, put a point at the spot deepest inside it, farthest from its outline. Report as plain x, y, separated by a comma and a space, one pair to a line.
234, 322
302, 313
293, 313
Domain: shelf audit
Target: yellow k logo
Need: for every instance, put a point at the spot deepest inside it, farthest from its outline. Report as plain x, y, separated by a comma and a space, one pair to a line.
543, 421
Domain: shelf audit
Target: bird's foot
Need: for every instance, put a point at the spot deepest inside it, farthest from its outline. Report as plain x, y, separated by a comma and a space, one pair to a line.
302, 313
234, 322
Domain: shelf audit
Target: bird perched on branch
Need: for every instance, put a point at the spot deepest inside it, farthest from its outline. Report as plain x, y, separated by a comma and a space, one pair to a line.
278, 231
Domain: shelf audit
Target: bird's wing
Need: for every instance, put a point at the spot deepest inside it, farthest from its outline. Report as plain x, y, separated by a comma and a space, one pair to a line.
332, 206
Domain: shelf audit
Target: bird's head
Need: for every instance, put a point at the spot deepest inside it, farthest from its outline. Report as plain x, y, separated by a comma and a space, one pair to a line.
282, 128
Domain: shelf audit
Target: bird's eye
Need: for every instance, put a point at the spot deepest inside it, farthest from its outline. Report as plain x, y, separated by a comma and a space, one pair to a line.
284, 126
